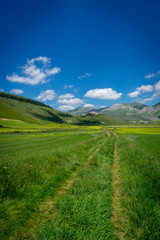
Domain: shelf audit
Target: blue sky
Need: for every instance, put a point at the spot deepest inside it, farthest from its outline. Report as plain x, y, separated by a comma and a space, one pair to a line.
71, 53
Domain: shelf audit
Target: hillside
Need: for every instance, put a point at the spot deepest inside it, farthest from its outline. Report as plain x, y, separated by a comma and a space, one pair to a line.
100, 119
28, 110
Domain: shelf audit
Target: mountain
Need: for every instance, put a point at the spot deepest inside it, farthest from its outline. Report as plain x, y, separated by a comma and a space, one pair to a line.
130, 112
28, 110
82, 110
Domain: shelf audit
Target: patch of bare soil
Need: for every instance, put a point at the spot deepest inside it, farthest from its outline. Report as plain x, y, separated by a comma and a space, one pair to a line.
8, 119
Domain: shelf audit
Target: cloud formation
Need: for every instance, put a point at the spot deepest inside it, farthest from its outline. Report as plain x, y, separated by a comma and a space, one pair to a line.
66, 108
46, 95
155, 95
157, 86
16, 91
151, 75
139, 90
88, 105
105, 93
71, 102
36, 71
134, 94
1, 90
85, 75
145, 88
67, 95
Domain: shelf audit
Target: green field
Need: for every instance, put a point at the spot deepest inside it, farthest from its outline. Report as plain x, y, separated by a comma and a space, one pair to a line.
86, 183
72, 182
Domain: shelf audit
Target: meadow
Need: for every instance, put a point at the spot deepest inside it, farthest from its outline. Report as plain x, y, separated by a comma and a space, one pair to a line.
75, 182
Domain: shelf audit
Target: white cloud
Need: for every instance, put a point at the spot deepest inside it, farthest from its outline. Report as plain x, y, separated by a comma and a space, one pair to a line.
66, 108
102, 106
157, 86
145, 88
151, 75
153, 97
39, 59
105, 93
68, 86
139, 90
85, 75
67, 95
1, 90
46, 95
16, 91
33, 74
71, 102
53, 71
133, 94
88, 105
156, 93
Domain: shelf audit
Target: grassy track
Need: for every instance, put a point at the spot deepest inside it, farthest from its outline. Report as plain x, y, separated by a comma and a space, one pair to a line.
48, 209
117, 212
33, 170
85, 211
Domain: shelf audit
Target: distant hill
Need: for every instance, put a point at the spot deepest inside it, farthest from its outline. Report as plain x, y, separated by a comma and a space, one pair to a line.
128, 112
28, 110
82, 110
100, 119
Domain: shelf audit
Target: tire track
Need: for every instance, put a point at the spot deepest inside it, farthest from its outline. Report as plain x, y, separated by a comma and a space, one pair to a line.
118, 217
48, 208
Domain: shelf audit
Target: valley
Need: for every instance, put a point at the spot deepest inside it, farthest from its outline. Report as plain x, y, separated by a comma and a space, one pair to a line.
76, 180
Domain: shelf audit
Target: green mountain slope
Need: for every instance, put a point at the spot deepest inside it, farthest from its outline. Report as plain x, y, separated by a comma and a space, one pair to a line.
28, 110
100, 119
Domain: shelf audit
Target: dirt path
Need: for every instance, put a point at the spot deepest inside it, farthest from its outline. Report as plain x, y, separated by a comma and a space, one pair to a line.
8, 119
118, 217
48, 208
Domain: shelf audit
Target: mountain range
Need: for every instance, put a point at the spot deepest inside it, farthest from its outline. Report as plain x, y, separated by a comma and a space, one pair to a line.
124, 111
28, 110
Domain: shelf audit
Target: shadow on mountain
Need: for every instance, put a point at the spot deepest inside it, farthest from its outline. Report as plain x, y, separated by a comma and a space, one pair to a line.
49, 117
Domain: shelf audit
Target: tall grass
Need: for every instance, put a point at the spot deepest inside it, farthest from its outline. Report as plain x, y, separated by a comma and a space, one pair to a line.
85, 211
140, 188
28, 175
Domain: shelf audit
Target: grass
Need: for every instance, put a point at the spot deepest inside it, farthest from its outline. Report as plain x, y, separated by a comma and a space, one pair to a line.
85, 212
140, 186
139, 130
32, 168
46, 175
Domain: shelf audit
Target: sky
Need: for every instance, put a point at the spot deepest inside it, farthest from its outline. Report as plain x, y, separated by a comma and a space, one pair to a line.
71, 53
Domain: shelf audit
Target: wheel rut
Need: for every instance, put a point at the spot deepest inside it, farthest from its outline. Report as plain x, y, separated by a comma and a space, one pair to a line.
118, 217
48, 209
